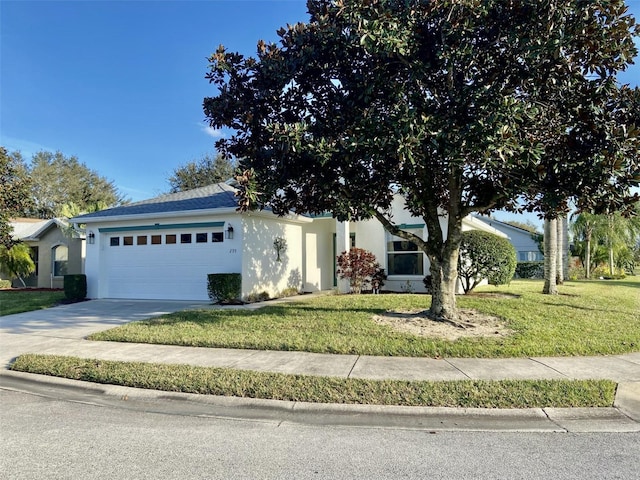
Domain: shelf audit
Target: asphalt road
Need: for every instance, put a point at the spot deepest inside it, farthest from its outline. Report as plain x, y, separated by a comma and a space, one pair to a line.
45, 438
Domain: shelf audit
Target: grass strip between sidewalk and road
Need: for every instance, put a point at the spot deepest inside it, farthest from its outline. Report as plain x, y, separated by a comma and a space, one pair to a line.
305, 388
587, 318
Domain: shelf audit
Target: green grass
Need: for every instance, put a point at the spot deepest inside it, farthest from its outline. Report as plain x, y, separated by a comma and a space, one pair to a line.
587, 318
25, 301
242, 383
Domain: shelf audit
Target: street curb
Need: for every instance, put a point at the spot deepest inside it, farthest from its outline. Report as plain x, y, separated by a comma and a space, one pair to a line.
609, 419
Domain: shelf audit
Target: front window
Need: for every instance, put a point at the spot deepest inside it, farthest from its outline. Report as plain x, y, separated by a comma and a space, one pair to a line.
404, 257
530, 256
60, 256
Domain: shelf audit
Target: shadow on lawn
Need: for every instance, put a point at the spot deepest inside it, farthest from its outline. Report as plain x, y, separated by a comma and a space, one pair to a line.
220, 315
579, 307
622, 283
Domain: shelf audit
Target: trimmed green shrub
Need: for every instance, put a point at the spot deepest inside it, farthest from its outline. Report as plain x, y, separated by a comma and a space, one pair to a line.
530, 270
484, 255
224, 287
5, 283
75, 286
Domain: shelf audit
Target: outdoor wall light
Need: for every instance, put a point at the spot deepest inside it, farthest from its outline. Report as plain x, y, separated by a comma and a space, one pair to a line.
230, 232
91, 238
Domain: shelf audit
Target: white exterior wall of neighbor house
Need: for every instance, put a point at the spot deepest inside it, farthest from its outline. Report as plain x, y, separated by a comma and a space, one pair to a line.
261, 269
526, 247
159, 270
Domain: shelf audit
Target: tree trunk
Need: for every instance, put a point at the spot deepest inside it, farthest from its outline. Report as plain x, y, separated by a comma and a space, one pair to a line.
565, 250
550, 256
612, 267
587, 255
444, 276
560, 252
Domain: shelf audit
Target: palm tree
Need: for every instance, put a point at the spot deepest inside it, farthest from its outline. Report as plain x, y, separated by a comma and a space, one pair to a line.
17, 261
550, 256
583, 229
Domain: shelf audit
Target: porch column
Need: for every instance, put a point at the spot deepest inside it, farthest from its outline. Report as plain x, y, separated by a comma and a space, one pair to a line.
343, 244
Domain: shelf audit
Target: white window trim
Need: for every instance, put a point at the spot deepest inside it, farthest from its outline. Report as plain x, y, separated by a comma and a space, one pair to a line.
403, 276
53, 258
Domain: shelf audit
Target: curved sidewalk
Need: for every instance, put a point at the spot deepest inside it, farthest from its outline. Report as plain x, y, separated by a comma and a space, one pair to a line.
61, 331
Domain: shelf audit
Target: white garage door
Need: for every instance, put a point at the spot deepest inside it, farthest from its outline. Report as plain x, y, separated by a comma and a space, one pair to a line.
167, 264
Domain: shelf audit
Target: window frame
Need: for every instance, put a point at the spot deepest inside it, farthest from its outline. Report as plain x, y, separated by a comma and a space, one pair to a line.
59, 268
390, 241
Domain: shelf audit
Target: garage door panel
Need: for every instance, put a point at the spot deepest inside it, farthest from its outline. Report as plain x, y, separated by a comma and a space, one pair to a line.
174, 271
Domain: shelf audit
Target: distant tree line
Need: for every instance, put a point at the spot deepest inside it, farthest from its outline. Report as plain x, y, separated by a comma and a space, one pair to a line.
50, 185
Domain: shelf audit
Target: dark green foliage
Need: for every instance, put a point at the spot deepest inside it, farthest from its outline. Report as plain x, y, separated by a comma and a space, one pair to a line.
75, 286
58, 180
459, 106
14, 192
529, 270
17, 261
484, 255
200, 173
224, 287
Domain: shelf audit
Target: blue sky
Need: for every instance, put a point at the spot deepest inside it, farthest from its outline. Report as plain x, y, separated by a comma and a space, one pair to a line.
120, 84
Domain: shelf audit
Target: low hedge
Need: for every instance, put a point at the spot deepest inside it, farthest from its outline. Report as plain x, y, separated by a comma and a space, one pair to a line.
224, 287
75, 286
529, 270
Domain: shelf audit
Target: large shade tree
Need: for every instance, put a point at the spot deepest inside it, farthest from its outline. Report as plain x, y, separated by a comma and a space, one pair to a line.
15, 195
205, 171
58, 180
459, 106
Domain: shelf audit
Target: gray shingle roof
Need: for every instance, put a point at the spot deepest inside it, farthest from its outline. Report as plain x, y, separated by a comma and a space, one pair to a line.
218, 195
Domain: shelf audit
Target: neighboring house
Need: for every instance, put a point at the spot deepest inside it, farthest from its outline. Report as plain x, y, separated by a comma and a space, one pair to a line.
522, 240
54, 251
163, 248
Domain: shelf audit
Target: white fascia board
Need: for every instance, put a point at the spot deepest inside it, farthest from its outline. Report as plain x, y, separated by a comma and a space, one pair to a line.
291, 217
479, 224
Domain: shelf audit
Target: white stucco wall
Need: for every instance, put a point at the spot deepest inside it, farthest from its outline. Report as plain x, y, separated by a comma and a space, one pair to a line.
163, 271
318, 272
261, 270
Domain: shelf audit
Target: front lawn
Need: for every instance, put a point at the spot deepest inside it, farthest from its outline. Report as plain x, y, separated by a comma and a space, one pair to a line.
18, 301
587, 318
304, 388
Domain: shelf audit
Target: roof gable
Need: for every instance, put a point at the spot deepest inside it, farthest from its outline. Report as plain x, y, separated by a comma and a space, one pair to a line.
32, 229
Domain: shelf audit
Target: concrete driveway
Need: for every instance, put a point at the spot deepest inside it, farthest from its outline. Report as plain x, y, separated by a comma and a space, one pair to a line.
19, 333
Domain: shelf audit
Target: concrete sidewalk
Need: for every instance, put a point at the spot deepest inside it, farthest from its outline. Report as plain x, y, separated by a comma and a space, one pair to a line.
61, 331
